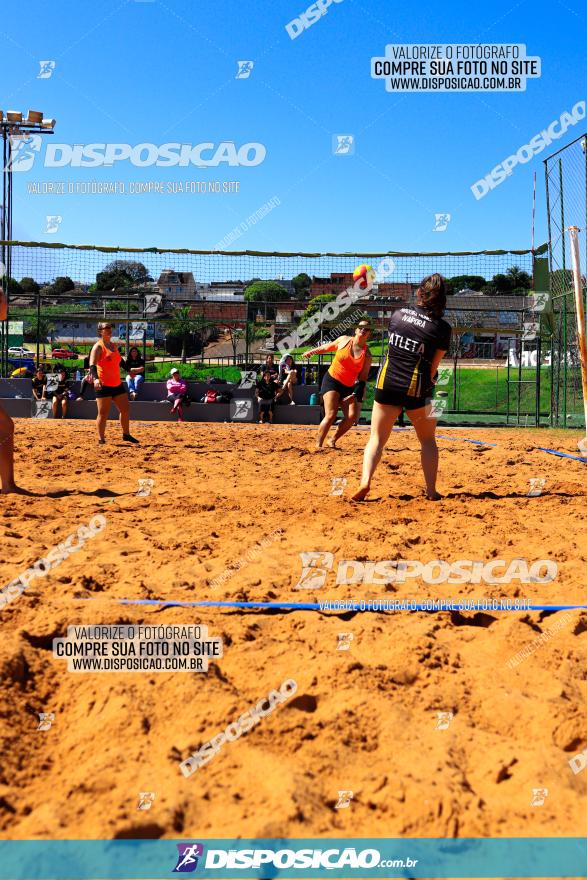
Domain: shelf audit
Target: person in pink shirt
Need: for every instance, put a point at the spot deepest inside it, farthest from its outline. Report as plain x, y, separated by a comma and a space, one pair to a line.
177, 393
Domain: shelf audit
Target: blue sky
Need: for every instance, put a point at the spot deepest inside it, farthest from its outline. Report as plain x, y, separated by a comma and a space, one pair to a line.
159, 72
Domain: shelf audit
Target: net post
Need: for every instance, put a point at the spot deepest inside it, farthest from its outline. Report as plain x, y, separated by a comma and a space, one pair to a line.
564, 300
574, 237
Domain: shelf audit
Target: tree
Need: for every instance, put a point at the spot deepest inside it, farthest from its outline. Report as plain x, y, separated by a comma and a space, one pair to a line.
253, 331
515, 281
114, 280
62, 284
302, 284
519, 280
500, 285
461, 282
12, 287
235, 335
316, 304
184, 326
138, 272
29, 285
117, 305
265, 291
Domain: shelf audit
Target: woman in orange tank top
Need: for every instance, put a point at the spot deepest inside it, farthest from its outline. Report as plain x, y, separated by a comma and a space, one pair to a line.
343, 385
105, 369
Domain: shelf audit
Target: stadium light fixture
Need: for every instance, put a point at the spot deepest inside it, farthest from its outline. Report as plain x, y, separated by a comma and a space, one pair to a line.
14, 116
34, 117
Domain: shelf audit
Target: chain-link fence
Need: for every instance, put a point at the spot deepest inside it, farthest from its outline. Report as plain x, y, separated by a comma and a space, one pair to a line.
566, 194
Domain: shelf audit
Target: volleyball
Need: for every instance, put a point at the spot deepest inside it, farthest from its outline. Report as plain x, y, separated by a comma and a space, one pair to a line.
212, 450
364, 275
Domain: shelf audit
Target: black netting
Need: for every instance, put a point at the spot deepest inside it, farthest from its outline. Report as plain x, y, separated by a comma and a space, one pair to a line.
566, 186
64, 290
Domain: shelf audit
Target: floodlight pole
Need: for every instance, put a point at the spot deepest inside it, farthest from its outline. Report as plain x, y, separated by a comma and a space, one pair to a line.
6, 236
10, 130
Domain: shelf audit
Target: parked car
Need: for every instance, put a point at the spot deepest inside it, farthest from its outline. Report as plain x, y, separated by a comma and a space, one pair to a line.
19, 351
63, 354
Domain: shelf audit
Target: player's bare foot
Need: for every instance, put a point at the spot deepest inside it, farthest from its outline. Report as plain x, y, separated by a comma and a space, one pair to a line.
332, 444
433, 496
361, 493
13, 489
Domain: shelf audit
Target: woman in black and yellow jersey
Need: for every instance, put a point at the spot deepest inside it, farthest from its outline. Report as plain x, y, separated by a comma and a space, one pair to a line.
418, 340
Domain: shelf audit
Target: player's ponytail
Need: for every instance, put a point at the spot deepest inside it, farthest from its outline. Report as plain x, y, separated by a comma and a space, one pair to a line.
432, 295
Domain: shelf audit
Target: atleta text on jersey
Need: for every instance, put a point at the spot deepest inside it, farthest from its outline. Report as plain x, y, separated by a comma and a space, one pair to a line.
414, 337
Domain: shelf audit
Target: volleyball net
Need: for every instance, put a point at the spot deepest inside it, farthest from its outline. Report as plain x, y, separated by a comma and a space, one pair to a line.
256, 302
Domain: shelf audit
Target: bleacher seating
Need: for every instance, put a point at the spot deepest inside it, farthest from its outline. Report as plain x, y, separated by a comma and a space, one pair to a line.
16, 394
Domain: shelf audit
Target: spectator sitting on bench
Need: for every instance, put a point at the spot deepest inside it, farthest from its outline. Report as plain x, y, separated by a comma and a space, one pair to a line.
135, 367
288, 376
177, 392
87, 381
266, 390
60, 395
40, 385
271, 366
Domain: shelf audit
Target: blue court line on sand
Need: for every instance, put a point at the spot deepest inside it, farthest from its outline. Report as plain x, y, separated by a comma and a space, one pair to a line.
562, 454
316, 606
541, 448
466, 440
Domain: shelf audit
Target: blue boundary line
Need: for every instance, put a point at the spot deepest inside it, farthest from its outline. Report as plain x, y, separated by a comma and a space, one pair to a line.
466, 440
541, 448
562, 454
317, 606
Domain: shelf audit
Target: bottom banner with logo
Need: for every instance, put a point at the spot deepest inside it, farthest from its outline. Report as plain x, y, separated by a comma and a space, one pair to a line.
360, 857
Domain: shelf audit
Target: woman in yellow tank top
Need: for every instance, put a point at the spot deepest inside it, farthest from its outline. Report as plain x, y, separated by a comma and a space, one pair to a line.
343, 385
105, 369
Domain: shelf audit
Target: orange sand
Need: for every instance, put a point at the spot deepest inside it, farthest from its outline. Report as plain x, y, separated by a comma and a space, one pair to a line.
362, 720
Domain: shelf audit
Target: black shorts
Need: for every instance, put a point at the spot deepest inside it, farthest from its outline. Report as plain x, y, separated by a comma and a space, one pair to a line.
389, 397
265, 405
331, 384
111, 390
